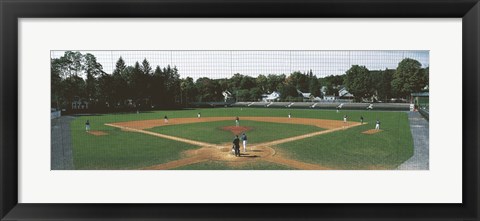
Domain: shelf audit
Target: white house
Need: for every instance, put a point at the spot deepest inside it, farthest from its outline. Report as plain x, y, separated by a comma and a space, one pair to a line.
330, 97
78, 104
305, 96
274, 96
344, 94
227, 95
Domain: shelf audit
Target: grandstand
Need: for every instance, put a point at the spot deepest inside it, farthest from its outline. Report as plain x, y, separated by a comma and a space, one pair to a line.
326, 105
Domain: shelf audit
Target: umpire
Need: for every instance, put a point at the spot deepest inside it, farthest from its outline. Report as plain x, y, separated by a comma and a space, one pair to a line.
236, 146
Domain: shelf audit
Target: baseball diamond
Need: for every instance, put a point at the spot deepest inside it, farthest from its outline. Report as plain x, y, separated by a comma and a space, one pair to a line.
311, 140
240, 110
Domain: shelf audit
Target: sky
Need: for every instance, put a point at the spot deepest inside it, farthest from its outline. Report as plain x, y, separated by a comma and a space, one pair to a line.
224, 64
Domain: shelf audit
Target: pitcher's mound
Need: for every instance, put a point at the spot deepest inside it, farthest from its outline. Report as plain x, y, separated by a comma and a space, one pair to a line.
236, 130
97, 133
372, 131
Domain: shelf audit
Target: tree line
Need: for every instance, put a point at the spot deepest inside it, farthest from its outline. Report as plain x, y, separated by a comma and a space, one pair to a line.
76, 76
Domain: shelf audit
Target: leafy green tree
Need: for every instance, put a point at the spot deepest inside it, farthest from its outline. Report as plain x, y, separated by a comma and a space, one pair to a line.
208, 90
358, 82
255, 94
188, 89
243, 95
262, 83
299, 80
382, 83
93, 70
408, 78
74, 63
275, 82
247, 82
426, 77
288, 90
314, 86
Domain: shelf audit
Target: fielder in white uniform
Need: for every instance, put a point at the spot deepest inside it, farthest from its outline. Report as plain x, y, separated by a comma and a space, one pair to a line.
377, 125
244, 139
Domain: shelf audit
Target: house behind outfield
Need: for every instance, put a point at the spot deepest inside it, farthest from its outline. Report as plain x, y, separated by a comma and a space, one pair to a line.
272, 97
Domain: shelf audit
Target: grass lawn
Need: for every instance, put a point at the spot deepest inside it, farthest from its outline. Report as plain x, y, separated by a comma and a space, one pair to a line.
350, 149
216, 165
347, 149
121, 150
212, 132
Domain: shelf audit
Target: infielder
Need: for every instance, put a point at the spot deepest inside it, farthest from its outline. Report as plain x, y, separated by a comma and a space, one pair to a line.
165, 119
361, 119
345, 118
244, 139
198, 115
237, 121
289, 115
377, 125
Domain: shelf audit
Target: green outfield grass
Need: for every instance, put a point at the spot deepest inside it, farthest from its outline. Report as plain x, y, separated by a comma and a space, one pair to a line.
211, 132
347, 149
351, 149
216, 165
121, 150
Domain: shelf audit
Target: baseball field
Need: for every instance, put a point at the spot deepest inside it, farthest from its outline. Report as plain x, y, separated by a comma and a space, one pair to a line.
309, 140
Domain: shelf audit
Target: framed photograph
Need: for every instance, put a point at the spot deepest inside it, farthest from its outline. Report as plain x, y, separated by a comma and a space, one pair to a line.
321, 110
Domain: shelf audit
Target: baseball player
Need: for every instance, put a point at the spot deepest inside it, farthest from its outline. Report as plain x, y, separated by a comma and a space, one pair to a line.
237, 121
87, 126
289, 115
377, 125
165, 119
337, 109
244, 139
198, 115
236, 146
345, 118
361, 119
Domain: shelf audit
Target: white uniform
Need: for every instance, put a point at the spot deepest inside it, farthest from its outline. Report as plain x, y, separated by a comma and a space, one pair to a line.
198, 115
289, 115
377, 125
244, 138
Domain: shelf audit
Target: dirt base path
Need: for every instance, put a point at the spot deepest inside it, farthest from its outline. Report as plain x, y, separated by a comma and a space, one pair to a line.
295, 164
222, 153
147, 124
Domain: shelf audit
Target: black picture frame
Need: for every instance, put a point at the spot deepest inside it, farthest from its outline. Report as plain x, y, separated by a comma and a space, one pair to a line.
12, 10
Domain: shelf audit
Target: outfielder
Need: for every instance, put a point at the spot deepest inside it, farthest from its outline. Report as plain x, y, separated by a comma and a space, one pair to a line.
361, 119
289, 115
198, 115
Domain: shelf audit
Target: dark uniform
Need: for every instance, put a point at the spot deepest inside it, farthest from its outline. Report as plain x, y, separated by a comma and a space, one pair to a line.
361, 119
236, 146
